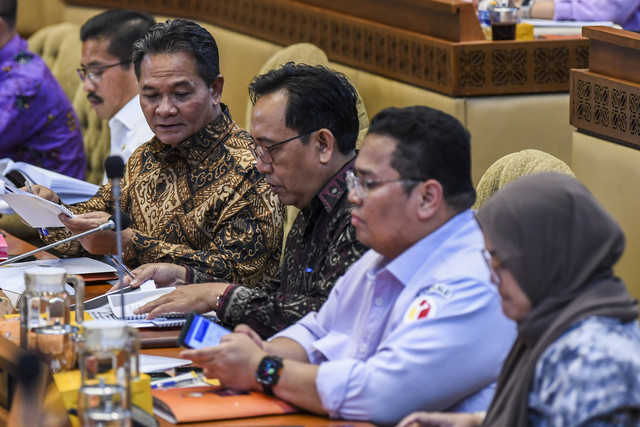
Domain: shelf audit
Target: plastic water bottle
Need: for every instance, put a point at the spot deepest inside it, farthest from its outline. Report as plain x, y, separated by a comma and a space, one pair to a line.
483, 13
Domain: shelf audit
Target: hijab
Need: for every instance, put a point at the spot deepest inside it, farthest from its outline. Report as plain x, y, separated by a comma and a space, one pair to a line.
560, 245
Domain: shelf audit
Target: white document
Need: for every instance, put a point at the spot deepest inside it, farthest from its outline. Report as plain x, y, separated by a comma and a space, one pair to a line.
12, 275
150, 363
135, 300
71, 190
109, 307
34, 210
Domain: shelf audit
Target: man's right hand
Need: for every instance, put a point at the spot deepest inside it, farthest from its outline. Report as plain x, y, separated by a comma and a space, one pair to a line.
200, 298
45, 193
163, 274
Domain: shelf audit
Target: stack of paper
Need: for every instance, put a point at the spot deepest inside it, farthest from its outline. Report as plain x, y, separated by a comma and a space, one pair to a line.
70, 190
12, 275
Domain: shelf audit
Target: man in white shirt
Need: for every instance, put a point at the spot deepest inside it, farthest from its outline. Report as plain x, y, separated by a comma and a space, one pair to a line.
109, 79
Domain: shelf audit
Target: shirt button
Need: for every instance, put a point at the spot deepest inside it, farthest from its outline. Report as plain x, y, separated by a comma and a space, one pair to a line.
379, 301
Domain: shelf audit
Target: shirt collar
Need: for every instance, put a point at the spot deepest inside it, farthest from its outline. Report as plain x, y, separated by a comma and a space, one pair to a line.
198, 146
335, 188
405, 265
129, 114
9, 50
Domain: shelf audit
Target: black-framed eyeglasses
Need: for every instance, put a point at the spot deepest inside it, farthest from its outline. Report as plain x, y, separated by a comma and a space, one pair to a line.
94, 73
362, 186
264, 153
494, 265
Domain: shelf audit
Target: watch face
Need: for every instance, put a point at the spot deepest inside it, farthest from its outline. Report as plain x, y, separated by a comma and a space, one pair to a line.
268, 371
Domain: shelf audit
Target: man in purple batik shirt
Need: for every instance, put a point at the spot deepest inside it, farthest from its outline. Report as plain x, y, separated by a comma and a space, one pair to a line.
37, 122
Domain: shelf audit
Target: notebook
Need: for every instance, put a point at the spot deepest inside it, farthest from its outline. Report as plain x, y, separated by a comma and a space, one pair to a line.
191, 404
100, 309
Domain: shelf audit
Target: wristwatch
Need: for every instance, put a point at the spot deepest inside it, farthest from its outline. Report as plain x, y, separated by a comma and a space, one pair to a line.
268, 373
525, 8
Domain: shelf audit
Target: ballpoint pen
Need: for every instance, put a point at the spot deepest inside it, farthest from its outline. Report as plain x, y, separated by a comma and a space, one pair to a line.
182, 379
120, 264
42, 231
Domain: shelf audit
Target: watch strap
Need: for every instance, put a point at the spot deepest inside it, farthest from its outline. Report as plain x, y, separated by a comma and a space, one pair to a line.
525, 10
268, 373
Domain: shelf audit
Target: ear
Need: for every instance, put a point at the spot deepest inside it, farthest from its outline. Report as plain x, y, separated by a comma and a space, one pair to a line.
326, 143
430, 198
216, 89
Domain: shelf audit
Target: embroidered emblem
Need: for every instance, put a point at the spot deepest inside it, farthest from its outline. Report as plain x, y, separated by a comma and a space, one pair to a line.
23, 58
422, 307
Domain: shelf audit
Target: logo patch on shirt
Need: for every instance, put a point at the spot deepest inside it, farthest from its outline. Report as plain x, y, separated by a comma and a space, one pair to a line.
422, 307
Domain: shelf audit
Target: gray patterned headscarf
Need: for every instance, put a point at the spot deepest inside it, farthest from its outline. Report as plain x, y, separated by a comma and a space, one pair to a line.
560, 245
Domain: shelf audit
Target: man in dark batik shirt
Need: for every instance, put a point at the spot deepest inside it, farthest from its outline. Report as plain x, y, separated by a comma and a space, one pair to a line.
304, 124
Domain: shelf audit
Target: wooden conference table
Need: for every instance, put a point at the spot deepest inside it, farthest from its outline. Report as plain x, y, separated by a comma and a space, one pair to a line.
17, 247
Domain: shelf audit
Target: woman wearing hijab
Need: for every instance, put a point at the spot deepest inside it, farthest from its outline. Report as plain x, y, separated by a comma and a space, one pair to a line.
576, 361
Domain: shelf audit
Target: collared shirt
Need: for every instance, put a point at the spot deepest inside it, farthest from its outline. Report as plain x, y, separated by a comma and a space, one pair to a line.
422, 332
37, 123
129, 130
201, 204
589, 376
623, 12
321, 245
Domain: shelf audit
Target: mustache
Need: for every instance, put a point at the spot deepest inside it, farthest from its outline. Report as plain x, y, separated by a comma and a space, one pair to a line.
93, 97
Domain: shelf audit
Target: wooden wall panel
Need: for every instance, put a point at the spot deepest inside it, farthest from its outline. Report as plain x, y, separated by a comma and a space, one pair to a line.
452, 68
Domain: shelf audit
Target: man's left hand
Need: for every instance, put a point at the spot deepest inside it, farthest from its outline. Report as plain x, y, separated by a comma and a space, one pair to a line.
234, 362
102, 242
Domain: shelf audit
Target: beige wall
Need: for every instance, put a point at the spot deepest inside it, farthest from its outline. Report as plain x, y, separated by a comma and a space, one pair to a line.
611, 172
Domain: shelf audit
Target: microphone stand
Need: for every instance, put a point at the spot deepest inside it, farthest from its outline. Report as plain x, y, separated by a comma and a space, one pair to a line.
106, 226
114, 166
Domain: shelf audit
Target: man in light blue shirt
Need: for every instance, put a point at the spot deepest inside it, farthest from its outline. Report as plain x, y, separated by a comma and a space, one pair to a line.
415, 324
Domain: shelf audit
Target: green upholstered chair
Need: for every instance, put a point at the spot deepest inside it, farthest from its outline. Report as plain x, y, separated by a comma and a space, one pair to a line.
59, 45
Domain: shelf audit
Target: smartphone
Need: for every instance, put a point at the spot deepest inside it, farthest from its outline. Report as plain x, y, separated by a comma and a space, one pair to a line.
199, 331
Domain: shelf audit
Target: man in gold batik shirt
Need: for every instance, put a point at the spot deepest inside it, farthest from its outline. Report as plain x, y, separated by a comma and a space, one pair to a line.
193, 192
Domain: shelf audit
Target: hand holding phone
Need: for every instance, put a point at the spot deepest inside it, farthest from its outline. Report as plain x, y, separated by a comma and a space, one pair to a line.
199, 331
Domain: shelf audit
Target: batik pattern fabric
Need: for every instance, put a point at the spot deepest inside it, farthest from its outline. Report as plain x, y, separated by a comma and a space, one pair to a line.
37, 122
202, 204
589, 376
320, 247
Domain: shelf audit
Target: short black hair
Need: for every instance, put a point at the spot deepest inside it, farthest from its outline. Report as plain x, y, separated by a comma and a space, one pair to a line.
8, 12
179, 35
430, 145
121, 27
317, 97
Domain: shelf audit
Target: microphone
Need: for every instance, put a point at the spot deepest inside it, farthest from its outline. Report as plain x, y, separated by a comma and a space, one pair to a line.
109, 225
114, 166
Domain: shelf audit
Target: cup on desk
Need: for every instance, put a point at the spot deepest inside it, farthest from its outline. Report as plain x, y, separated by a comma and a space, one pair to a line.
58, 345
503, 23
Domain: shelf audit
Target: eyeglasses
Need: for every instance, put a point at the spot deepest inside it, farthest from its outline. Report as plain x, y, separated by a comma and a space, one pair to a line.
494, 265
264, 153
362, 186
95, 73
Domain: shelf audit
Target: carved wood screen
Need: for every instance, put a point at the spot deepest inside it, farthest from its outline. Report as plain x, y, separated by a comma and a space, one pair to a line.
605, 100
465, 68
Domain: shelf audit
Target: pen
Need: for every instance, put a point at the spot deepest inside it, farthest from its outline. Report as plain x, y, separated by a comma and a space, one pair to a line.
124, 267
42, 231
186, 378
